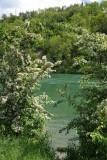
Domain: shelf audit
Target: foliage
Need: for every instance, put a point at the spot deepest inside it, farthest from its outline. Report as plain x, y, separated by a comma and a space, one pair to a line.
21, 112
25, 149
57, 27
91, 121
76, 35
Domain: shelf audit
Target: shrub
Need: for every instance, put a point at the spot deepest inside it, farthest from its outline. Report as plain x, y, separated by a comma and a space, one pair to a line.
22, 112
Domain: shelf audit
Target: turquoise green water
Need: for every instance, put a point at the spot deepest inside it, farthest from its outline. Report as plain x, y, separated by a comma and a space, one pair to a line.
63, 112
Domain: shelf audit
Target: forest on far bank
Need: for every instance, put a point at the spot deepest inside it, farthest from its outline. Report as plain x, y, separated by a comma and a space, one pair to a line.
61, 33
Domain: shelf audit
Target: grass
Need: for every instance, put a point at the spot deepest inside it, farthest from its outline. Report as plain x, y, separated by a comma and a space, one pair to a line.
24, 149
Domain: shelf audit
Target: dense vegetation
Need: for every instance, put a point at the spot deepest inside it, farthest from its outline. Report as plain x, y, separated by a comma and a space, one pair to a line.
77, 36
59, 31
91, 120
22, 112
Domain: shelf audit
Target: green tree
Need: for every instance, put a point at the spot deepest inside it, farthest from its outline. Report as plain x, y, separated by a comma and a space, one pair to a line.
91, 120
21, 112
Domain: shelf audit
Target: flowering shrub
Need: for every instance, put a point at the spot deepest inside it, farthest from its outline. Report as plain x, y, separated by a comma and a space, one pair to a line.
21, 112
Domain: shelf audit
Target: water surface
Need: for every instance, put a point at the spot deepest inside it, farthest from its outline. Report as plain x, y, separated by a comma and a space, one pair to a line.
63, 112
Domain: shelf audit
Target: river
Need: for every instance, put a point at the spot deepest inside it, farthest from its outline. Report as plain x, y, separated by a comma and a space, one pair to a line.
64, 111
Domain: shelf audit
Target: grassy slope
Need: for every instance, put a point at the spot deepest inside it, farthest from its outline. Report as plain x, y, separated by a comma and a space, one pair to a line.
22, 149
